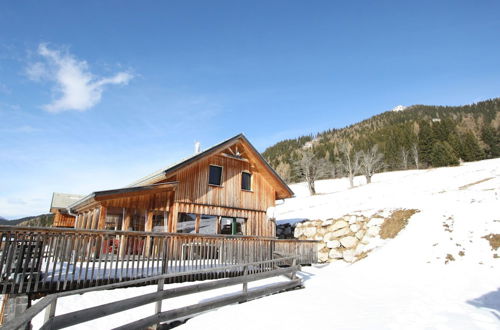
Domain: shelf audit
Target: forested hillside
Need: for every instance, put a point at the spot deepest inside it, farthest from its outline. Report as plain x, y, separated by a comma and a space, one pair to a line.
420, 136
42, 220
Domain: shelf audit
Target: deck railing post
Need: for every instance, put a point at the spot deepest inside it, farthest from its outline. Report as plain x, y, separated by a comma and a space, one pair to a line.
50, 312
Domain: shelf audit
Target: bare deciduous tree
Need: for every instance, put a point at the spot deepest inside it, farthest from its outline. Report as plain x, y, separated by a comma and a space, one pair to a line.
414, 153
371, 162
284, 171
349, 161
312, 168
405, 154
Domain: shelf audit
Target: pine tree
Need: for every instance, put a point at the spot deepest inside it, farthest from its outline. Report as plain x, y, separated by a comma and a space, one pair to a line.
425, 143
472, 150
443, 155
492, 140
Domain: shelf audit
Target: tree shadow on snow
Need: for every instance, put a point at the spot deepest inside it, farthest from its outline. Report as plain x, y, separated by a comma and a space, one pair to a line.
490, 301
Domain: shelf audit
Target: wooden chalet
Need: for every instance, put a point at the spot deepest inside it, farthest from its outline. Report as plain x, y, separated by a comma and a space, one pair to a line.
225, 189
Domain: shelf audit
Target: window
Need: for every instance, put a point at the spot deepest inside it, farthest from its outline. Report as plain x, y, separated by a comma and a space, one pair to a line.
186, 223
208, 224
215, 175
246, 181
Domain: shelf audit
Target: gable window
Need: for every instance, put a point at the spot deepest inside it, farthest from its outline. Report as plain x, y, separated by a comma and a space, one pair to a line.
246, 181
215, 175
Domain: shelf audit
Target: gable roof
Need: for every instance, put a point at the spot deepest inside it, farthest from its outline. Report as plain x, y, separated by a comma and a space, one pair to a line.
62, 201
168, 171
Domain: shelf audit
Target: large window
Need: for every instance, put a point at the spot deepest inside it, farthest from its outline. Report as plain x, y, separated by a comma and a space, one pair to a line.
246, 181
215, 175
186, 223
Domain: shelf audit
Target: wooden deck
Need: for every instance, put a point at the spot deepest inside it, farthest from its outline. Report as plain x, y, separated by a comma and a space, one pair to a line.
48, 260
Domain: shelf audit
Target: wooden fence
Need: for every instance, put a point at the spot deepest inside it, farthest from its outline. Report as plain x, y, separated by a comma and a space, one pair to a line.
55, 259
276, 267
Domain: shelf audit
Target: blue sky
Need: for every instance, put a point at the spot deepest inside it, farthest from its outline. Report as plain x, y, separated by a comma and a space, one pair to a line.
95, 94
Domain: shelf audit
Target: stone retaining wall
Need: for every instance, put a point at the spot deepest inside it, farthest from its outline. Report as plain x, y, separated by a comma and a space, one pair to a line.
348, 238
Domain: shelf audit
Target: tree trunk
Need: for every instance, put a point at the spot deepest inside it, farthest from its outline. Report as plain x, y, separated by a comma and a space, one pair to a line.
368, 178
312, 189
351, 180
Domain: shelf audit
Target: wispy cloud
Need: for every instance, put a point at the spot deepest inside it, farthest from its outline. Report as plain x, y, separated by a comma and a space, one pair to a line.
76, 88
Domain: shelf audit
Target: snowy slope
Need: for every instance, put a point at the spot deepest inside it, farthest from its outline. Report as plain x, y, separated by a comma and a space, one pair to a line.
404, 284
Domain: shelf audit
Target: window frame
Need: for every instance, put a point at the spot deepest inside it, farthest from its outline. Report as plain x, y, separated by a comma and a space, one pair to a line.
251, 181
221, 175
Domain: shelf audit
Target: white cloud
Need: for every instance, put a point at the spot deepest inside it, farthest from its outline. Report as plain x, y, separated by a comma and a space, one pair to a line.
75, 86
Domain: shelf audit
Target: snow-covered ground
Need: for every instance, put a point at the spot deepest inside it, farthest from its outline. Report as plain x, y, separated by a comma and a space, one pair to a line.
404, 284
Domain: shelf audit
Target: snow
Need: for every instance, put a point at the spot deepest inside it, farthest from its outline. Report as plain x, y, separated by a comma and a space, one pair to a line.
399, 108
405, 283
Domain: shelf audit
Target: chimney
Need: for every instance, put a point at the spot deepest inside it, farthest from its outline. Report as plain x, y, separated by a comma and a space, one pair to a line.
197, 147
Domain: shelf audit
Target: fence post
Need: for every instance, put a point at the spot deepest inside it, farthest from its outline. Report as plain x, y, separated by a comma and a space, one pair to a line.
50, 312
161, 282
245, 284
294, 263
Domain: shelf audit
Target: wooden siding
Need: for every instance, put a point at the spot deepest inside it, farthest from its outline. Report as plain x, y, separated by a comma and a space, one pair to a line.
193, 185
63, 220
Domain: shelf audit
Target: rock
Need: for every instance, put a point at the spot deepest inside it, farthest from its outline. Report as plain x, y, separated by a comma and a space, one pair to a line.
321, 245
352, 219
323, 256
373, 231
337, 225
348, 241
309, 231
317, 223
321, 230
333, 244
328, 222
349, 255
318, 237
354, 227
335, 254
298, 232
359, 235
341, 232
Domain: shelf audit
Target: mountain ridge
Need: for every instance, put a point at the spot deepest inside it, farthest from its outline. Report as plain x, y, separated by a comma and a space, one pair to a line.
469, 132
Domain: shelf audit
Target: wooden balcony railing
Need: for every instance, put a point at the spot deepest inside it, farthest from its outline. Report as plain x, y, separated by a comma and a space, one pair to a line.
56, 259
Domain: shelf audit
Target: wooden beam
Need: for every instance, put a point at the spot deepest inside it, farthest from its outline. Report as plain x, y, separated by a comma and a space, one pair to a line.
102, 217
95, 219
125, 225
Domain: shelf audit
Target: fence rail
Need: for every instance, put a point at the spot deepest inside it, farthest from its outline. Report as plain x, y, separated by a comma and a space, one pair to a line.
55, 259
274, 267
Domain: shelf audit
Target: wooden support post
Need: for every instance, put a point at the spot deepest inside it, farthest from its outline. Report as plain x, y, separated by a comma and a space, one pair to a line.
95, 218
148, 227
197, 223
102, 217
78, 220
125, 226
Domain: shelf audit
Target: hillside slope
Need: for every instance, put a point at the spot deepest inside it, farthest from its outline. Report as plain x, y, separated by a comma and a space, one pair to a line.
472, 132
407, 283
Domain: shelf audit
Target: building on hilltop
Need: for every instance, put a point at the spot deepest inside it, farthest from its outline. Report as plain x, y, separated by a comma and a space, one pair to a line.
225, 189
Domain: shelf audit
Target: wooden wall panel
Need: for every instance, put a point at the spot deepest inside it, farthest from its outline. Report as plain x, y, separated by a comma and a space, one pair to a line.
193, 185
63, 220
